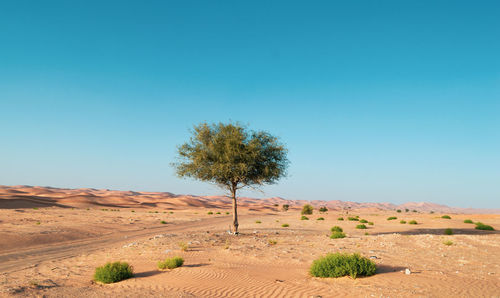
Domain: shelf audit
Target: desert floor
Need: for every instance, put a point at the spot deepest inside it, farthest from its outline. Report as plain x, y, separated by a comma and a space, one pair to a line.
53, 252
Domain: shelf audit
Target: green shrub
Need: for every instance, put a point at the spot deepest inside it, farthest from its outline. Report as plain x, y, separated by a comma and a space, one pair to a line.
210, 213
307, 209
258, 221
402, 222
337, 235
272, 242
446, 217
323, 209
481, 226
303, 217
320, 218
370, 223
171, 263
113, 272
398, 211
338, 265
448, 242
414, 210
392, 218
227, 213
353, 218
183, 246
285, 207
412, 222
217, 213
336, 229
361, 227
448, 231
406, 210
285, 225
468, 221
163, 222
340, 218
363, 221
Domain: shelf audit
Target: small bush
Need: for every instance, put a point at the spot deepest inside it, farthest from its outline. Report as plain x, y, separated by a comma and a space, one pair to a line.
469, 221
320, 218
340, 218
353, 218
446, 217
402, 222
392, 218
337, 235
406, 210
338, 265
366, 233
307, 209
323, 209
272, 242
171, 212
285, 225
285, 207
412, 222
163, 222
258, 222
363, 221
361, 227
210, 213
227, 213
414, 210
336, 229
303, 217
370, 223
171, 263
448, 231
481, 226
217, 213
183, 246
448, 242
113, 272
398, 211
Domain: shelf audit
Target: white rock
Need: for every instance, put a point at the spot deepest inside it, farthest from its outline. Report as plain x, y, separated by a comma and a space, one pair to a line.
407, 271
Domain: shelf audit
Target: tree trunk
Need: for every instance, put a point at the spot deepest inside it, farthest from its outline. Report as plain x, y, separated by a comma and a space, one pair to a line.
235, 211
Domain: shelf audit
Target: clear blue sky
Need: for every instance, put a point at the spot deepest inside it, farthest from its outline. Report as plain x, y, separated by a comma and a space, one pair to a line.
376, 100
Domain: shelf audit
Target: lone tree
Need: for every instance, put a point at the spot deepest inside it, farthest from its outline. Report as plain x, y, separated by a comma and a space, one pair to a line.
232, 157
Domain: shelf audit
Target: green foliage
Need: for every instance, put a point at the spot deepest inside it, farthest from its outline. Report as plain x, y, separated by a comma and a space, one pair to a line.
406, 210
363, 221
303, 217
183, 246
361, 227
320, 218
217, 213
171, 263
392, 218
338, 265
163, 222
353, 218
227, 213
413, 222
285, 207
227, 154
337, 235
398, 211
285, 225
272, 242
340, 218
448, 231
323, 209
469, 221
448, 242
370, 223
210, 213
481, 226
402, 222
414, 210
258, 222
307, 209
446, 217
336, 229
113, 272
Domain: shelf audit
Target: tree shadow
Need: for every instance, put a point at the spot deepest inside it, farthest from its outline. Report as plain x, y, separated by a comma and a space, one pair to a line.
381, 269
147, 273
195, 265
440, 232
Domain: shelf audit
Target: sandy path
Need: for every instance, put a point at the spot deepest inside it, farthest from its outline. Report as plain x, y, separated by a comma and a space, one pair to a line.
23, 258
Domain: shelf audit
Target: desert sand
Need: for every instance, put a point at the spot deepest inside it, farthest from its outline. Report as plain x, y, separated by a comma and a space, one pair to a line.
51, 241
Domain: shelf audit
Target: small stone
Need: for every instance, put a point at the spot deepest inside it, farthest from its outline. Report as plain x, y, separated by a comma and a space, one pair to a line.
373, 257
407, 271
